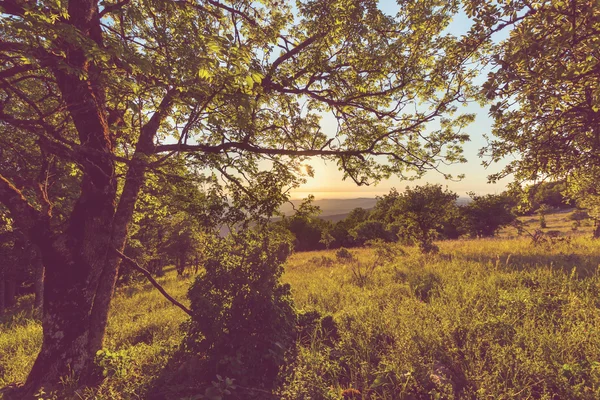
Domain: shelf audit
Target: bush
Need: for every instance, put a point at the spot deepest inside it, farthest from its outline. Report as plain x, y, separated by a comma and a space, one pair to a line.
343, 255
243, 319
578, 215
322, 261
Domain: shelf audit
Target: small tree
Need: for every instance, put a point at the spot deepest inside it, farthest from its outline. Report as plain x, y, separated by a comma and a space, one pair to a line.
421, 212
543, 210
243, 318
486, 214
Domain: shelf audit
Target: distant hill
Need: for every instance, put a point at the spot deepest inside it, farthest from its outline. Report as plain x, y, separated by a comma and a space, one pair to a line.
337, 209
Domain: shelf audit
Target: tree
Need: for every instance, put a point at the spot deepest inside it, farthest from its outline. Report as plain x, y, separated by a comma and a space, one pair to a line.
552, 194
545, 85
421, 211
370, 230
342, 229
113, 90
486, 214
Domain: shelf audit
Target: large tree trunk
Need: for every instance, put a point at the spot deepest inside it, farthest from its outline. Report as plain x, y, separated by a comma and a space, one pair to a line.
81, 264
38, 282
10, 291
2, 291
597, 230
75, 260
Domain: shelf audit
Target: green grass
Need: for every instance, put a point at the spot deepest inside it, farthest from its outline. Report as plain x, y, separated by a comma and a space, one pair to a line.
491, 319
483, 319
556, 221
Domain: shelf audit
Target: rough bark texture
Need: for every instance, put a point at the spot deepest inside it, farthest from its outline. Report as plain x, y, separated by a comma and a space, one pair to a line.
38, 282
2, 286
10, 291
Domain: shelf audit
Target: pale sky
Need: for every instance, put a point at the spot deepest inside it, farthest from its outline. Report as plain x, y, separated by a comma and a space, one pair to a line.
328, 184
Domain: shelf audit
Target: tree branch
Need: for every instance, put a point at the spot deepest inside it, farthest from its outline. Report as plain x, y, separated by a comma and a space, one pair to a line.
289, 55
10, 72
24, 214
229, 146
113, 7
148, 275
12, 7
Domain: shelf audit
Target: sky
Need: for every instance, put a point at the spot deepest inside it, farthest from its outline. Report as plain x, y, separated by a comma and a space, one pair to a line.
327, 182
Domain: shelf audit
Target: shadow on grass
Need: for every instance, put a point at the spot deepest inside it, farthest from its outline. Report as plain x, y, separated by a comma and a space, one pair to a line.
182, 377
19, 313
585, 265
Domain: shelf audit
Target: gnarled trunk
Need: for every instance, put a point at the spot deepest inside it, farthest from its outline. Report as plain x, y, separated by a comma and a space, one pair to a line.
74, 262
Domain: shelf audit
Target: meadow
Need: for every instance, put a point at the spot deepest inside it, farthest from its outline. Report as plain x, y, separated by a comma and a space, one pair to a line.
482, 319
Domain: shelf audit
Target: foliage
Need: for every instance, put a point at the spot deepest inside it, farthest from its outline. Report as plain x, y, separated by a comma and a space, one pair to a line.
370, 230
583, 188
342, 230
578, 215
546, 97
485, 215
546, 89
421, 211
550, 194
343, 254
310, 232
112, 363
243, 320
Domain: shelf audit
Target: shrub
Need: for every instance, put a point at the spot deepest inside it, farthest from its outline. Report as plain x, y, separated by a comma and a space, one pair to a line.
322, 261
243, 318
343, 255
578, 215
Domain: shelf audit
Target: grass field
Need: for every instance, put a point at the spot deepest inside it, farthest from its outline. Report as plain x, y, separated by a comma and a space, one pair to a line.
483, 319
557, 221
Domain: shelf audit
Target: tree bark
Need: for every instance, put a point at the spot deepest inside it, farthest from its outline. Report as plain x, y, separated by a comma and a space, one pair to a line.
10, 291
38, 283
2, 291
597, 230
10, 274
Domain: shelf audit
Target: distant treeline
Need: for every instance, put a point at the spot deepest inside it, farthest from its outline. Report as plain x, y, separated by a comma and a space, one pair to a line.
422, 214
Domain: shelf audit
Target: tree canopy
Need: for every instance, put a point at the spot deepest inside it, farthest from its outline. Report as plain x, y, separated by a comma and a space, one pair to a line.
544, 85
100, 95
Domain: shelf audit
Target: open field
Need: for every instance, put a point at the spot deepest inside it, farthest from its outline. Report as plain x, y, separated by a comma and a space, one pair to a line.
556, 221
483, 319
